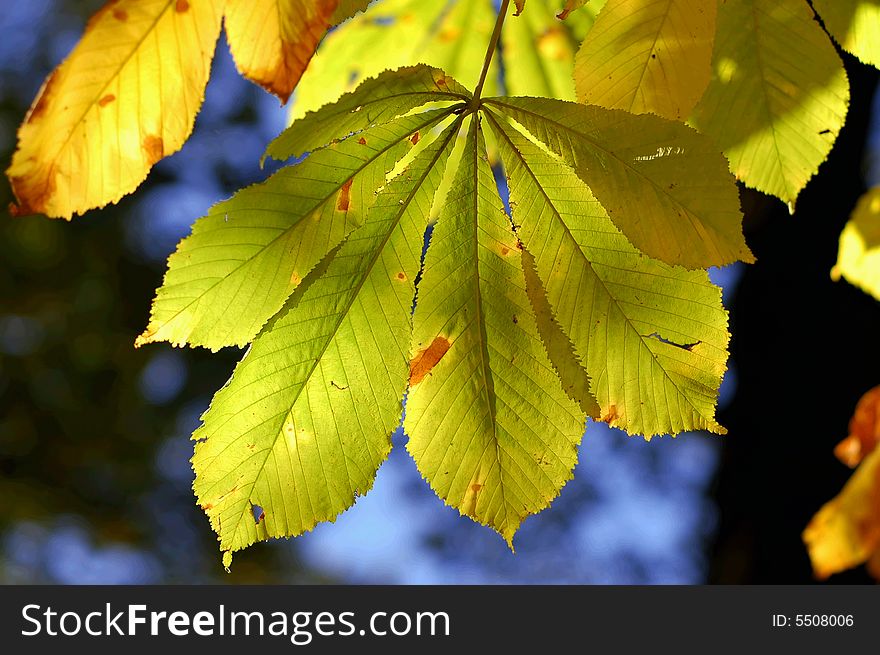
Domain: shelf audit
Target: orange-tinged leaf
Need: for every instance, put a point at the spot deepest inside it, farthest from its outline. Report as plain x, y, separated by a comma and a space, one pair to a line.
846, 531
272, 41
864, 430
570, 6
126, 96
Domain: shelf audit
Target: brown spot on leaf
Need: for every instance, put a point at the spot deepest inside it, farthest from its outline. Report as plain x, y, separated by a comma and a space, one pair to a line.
106, 100
414, 139
343, 201
476, 487
45, 95
611, 415
427, 358
154, 148
207, 506
295, 279
181, 6
362, 141
401, 276
120, 15
505, 250
515, 319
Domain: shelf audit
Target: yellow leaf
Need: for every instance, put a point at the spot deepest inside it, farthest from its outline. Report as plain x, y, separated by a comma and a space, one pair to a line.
778, 95
855, 25
858, 257
272, 41
126, 97
648, 56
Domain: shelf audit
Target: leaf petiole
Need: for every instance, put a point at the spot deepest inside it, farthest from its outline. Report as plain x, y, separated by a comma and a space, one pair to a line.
490, 51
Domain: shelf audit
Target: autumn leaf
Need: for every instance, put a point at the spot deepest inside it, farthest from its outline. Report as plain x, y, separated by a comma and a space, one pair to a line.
858, 256
845, 532
306, 419
778, 96
490, 427
648, 56
665, 186
272, 41
538, 51
855, 25
92, 134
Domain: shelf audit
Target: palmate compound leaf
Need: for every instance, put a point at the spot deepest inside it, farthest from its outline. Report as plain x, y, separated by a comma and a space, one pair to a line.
778, 95
306, 419
653, 337
855, 25
502, 368
243, 260
664, 185
125, 97
648, 56
490, 427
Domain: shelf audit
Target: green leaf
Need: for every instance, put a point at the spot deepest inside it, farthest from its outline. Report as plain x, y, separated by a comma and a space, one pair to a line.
648, 57
778, 95
572, 374
377, 100
306, 420
653, 337
490, 427
663, 184
245, 257
858, 259
855, 25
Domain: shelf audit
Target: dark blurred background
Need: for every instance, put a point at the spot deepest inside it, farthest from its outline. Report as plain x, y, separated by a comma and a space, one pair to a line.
94, 435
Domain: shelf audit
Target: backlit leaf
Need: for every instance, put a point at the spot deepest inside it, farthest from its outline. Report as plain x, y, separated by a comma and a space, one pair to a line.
306, 420
845, 532
538, 52
653, 337
272, 41
664, 185
490, 427
648, 56
572, 374
125, 97
249, 253
855, 25
778, 95
447, 35
375, 101
858, 257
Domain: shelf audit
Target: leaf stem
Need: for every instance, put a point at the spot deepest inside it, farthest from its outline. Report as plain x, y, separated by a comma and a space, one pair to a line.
490, 51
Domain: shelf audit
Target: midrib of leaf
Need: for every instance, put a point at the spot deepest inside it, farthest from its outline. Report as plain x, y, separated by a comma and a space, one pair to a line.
761, 81
489, 387
577, 247
578, 135
112, 77
341, 318
653, 46
432, 121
